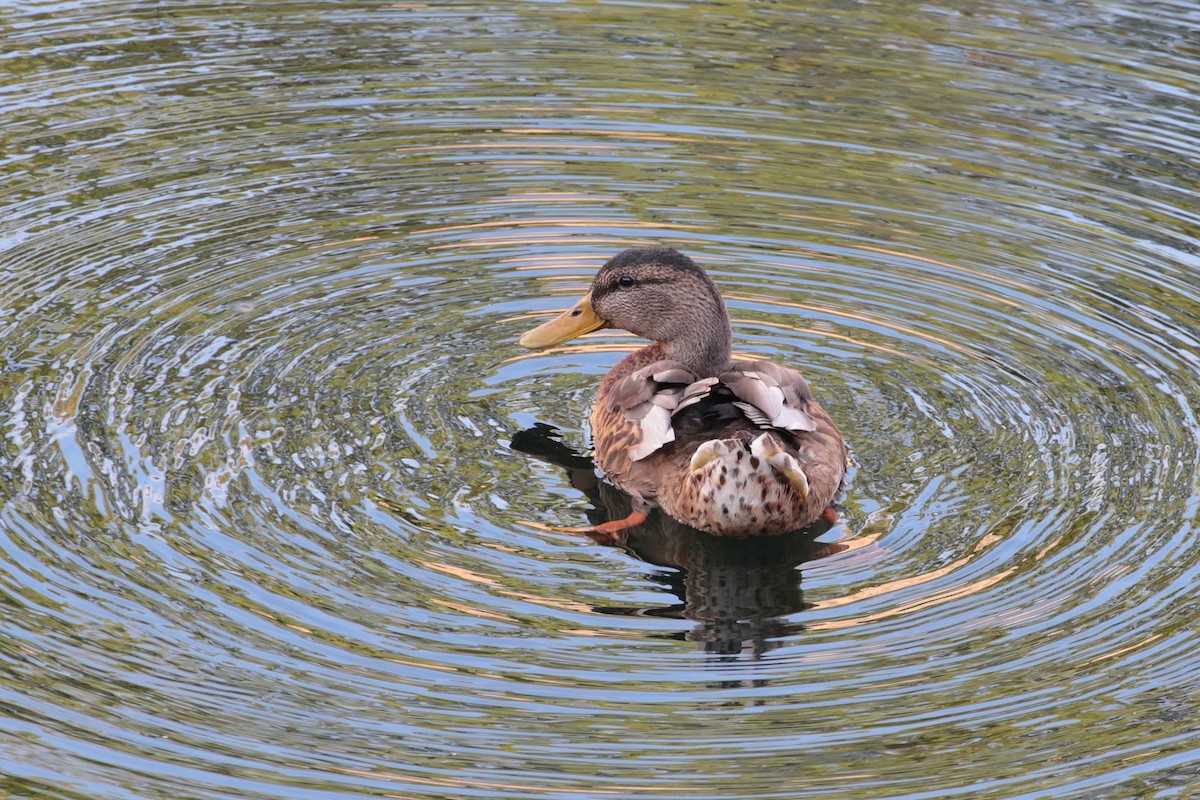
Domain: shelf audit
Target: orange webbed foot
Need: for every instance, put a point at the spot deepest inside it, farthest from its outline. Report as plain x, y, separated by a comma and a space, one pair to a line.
610, 533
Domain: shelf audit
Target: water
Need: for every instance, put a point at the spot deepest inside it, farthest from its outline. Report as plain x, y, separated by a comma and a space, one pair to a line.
276, 479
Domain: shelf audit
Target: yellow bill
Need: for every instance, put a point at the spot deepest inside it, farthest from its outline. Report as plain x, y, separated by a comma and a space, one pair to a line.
575, 321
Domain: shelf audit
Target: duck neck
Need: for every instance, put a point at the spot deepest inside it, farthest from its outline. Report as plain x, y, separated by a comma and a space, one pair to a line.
705, 349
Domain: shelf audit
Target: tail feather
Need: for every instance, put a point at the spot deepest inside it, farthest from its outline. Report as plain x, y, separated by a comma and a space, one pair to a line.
768, 448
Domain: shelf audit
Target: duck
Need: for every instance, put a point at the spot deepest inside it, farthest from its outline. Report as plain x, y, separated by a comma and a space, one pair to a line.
729, 446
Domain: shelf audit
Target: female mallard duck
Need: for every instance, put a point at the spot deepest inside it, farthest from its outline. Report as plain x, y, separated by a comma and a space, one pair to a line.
732, 447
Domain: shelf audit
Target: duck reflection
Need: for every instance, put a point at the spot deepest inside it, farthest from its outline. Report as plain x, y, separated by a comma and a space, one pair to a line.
739, 591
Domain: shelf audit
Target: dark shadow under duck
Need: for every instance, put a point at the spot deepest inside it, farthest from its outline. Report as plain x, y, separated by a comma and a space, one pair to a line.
739, 592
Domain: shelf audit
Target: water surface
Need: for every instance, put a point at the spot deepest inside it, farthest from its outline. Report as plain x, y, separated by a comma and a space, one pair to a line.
277, 486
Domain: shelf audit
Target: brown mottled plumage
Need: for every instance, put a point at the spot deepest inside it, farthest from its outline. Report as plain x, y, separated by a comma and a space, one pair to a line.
732, 447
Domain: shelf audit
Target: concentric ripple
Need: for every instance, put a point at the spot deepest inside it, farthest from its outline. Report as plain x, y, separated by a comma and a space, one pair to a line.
283, 502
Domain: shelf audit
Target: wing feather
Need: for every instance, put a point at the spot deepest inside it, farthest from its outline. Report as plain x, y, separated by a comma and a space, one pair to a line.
656, 432
770, 396
649, 397
779, 394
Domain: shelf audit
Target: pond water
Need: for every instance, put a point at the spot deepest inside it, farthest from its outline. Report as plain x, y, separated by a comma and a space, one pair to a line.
279, 491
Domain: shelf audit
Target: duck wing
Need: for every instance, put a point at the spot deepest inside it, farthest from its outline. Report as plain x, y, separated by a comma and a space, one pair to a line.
766, 394
648, 397
769, 395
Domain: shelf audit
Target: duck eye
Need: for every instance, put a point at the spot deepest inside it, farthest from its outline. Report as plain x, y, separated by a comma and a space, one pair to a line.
626, 281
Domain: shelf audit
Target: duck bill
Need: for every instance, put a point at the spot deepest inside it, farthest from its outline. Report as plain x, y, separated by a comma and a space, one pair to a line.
575, 321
